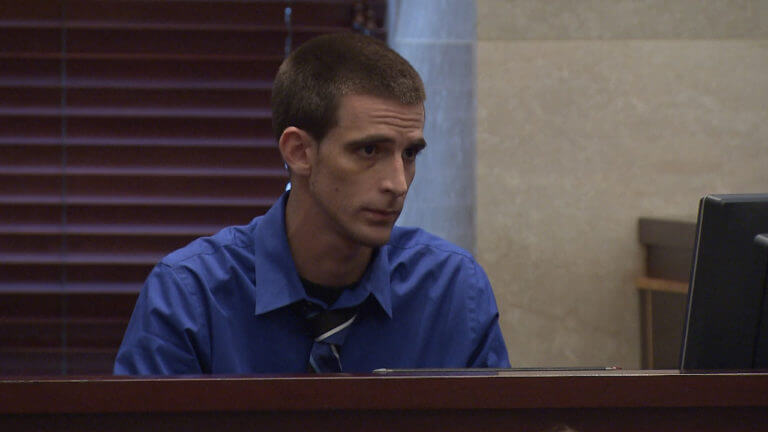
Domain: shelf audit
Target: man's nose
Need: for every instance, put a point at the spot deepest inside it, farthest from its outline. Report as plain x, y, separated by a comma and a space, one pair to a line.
395, 178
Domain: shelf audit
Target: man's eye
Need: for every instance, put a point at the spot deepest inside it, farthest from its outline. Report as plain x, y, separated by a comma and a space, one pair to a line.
368, 150
410, 153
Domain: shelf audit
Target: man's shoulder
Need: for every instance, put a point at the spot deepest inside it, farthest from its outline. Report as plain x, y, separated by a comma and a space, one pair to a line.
407, 240
230, 242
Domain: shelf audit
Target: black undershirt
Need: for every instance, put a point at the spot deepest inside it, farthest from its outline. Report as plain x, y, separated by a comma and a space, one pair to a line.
327, 294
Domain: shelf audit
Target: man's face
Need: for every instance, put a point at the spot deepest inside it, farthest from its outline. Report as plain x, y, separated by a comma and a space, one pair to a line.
364, 166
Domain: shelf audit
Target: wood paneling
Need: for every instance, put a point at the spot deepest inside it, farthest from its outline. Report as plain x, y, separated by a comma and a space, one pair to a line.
127, 129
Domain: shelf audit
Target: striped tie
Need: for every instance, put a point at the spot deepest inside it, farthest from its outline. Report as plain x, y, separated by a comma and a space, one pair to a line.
329, 328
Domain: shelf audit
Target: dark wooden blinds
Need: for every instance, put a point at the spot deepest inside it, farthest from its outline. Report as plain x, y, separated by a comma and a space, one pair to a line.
127, 129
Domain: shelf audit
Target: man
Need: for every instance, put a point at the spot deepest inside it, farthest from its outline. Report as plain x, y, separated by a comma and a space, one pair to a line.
323, 282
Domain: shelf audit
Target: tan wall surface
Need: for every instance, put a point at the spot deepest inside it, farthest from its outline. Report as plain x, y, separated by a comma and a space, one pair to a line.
592, 114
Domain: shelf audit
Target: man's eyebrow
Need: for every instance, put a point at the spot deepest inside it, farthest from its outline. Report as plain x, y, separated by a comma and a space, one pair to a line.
421, 143
370, 139
376, 139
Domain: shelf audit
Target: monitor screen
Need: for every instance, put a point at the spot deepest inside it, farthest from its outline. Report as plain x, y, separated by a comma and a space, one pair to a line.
726, 325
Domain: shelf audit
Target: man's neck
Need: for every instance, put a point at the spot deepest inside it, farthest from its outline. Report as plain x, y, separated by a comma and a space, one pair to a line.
322, 256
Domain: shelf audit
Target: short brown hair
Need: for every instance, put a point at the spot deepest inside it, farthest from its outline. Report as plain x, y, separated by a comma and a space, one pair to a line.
312, 80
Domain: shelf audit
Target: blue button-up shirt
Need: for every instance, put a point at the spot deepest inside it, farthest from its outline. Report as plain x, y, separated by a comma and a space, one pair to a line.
222, 305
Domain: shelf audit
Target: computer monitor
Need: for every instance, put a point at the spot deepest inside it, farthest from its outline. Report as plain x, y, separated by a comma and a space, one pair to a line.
726, 324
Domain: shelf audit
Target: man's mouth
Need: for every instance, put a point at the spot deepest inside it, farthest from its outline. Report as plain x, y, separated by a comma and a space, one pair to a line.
382, 215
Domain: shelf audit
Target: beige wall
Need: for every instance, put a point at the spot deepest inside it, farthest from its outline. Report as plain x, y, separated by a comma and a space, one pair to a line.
592, 114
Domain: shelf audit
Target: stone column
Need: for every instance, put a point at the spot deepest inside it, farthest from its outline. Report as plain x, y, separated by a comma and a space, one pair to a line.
439, 38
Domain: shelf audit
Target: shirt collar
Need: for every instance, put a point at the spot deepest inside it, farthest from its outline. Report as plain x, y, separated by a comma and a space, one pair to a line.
375, 282
277, 280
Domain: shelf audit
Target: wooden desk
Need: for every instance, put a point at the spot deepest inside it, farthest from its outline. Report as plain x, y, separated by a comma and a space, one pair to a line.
663, 289
597, 401
662, 316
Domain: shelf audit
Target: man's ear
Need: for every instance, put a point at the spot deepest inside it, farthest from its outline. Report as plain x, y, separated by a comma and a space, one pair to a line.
297, 148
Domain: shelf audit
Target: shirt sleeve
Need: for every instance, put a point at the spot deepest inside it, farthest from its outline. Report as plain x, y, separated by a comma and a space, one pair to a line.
164, 335
490, 350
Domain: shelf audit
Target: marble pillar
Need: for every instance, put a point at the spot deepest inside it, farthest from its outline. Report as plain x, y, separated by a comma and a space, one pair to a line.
439, 38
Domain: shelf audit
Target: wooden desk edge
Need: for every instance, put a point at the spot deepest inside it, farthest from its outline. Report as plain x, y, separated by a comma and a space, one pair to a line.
626, 389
